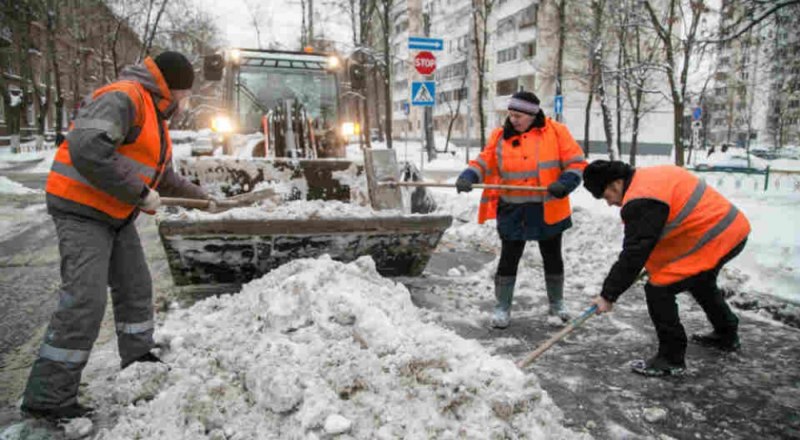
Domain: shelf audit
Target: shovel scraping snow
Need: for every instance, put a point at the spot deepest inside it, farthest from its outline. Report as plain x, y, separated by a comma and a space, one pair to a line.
575, 323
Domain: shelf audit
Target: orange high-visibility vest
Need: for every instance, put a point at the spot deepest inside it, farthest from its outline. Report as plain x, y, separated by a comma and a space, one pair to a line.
143, 153
539, 159
702, 226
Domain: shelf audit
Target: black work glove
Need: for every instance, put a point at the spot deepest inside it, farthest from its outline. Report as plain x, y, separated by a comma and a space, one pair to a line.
558, 190
463, 185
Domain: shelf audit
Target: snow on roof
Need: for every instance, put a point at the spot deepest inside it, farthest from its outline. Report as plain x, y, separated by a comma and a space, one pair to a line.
317, 348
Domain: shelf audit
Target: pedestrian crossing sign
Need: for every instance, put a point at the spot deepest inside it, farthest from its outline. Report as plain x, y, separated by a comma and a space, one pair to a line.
423, 93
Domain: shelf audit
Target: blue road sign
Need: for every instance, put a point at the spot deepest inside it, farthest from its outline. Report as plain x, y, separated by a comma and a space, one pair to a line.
423, 93
423, 43
559, 104
697, 113
406, 108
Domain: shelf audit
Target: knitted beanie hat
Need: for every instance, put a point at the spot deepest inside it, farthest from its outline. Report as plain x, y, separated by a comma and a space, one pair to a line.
598, 174
176, 69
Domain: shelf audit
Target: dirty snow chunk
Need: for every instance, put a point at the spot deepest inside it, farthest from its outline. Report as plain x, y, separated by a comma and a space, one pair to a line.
8, 186
554, 321
316, 345
653, 415
336, 424
140, 381
77, 428
454, 272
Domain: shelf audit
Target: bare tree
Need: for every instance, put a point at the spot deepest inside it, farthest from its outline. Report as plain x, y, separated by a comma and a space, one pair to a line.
637, 49
678, 28
481, 10
384, 9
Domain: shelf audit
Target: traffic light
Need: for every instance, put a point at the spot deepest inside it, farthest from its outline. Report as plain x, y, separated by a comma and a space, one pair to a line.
213, 66
358, 77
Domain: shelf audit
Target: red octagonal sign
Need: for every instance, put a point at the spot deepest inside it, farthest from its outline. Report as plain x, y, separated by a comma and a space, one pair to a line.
425, 62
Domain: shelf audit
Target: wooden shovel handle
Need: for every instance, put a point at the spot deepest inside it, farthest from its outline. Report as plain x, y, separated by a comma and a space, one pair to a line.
575, 323
476, 185
186, 203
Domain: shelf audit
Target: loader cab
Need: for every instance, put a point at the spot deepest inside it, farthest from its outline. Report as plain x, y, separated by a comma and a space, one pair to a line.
290, 99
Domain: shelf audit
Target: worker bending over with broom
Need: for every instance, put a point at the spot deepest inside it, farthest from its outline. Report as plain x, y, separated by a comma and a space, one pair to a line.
529, 150
682, 232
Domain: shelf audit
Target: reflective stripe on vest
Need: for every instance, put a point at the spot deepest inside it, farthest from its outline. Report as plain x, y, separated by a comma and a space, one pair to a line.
702, 226
143, 155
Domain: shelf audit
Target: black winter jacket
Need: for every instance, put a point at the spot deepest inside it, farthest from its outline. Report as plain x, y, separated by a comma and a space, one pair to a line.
644, 220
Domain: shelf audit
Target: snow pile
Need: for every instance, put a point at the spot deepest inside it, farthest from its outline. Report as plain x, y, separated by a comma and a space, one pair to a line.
318, 348
8, 186
294, 210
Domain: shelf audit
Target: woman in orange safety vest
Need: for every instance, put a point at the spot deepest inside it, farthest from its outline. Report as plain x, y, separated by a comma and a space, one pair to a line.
529, 150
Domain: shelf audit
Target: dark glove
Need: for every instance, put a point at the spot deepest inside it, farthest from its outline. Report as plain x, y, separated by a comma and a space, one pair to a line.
558, 190
463, 185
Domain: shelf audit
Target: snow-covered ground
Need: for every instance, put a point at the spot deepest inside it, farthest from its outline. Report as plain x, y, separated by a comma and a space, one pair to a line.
318, 348
768, 265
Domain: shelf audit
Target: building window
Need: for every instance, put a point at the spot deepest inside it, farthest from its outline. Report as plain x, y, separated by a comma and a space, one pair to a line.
528, 50
505, 26
507, 87
507, 55
528, 16
527, 82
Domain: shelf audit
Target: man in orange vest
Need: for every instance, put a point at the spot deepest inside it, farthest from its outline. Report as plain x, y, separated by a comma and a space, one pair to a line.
682, 231
529, 150
115, 161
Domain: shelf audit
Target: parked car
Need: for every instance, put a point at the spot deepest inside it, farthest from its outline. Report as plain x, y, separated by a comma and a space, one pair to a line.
730, 161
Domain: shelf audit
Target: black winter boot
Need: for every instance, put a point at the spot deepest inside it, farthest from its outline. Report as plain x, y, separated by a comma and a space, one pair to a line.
716, 340
73, 411
147, 357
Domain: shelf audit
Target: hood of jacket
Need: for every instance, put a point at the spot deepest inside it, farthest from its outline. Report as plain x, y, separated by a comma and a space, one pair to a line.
148, 75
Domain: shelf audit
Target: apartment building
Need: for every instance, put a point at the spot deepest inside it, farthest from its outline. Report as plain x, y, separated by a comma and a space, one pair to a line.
521, 54
755, 97
85, 59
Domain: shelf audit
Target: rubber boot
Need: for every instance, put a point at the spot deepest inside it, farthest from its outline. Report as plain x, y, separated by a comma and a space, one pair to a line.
555, 295
504, 293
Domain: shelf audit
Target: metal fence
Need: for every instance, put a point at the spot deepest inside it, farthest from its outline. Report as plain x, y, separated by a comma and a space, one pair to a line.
753, 179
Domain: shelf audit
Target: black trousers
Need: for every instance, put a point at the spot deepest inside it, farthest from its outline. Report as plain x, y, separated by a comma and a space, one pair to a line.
511, 252
663, 309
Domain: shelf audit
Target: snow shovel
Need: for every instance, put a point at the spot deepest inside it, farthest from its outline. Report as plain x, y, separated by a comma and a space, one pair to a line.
575, 323
245, 199
476, 185
380, 166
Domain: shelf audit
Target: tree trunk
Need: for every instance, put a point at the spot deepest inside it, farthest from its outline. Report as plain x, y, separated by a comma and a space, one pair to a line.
375, 74
387, 62
588, 119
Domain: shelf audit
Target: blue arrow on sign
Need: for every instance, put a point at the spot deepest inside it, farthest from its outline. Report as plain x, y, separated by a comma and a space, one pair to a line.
697, 113
423, 93
423, 43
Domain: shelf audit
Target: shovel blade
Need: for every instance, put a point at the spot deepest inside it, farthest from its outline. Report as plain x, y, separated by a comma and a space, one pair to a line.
381, 166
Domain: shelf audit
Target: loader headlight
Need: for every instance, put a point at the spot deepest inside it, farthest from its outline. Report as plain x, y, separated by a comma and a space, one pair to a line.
351, 129
221, 124
333, 62
235, 55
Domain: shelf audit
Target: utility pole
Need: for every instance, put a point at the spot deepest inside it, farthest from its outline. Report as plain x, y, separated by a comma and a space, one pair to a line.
428, 112
560, 67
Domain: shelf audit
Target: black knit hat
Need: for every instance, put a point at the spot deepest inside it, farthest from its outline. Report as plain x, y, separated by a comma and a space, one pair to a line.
176, 69
600, 173
524, 102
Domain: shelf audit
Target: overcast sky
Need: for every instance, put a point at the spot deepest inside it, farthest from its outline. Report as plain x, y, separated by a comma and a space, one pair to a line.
279, 21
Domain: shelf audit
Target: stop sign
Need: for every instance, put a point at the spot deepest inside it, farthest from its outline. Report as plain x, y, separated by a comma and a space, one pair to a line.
425, 62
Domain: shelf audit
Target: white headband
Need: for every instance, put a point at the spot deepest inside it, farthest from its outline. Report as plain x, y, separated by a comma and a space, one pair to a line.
523, 106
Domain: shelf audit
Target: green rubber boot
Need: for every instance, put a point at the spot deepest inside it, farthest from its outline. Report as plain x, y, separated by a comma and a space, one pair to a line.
555, 295
504, 293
